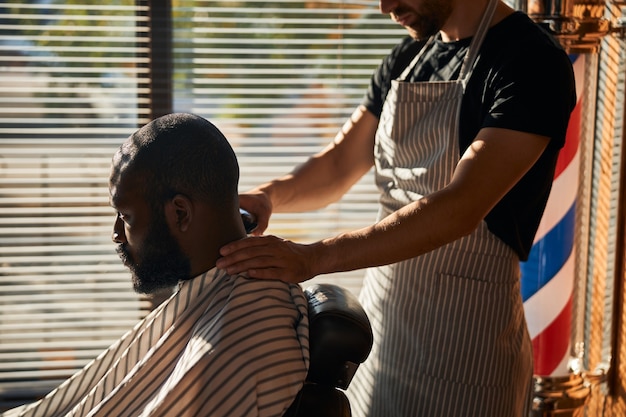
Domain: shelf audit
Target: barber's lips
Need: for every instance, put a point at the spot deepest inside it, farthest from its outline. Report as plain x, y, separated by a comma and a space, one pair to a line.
403, 19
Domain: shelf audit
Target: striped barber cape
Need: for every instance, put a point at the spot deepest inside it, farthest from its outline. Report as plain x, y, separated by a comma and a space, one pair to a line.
220, 346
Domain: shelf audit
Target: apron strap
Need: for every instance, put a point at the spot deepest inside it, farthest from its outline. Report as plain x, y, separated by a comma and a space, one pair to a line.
470, 58
413, 63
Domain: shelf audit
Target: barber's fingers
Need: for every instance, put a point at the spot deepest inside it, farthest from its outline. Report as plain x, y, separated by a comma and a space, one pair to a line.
260, 207
261, 225
267, 257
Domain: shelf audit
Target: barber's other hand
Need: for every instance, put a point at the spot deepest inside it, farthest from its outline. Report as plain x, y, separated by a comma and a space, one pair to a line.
259, 205
268, 257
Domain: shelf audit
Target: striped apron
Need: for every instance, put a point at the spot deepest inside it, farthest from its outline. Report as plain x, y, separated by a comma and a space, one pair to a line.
450, 337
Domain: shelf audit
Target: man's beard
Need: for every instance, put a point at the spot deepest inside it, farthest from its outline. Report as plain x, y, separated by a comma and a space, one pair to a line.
161, 264
429, 20
425, 31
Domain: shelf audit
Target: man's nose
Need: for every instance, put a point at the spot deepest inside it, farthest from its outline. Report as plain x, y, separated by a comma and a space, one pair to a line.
118, 235
387, 6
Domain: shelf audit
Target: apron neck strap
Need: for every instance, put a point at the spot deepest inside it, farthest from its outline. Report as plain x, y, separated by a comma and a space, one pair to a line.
477, 41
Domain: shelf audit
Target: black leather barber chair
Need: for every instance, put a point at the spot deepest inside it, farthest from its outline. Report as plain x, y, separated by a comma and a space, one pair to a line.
340, 338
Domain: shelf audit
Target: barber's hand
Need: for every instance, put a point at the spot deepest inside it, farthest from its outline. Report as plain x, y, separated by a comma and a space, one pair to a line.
268, 257
259, 205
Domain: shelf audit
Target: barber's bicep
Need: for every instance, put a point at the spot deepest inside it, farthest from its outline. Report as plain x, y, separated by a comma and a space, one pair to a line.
495, 161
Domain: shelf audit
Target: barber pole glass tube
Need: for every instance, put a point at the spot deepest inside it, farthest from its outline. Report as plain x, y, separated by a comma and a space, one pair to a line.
547, 278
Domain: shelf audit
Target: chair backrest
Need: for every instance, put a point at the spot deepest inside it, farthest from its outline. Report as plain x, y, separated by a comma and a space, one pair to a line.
340, 338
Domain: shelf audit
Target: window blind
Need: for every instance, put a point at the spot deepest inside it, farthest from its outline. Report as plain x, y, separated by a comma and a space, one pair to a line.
70, 88
280, 78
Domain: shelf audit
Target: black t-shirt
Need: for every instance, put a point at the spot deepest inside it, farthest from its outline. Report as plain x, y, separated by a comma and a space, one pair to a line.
523, 81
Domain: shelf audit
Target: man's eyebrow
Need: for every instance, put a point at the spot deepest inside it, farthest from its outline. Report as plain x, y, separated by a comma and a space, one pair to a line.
112, 201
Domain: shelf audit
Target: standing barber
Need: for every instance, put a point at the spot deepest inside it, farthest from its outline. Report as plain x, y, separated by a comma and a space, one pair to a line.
463, 122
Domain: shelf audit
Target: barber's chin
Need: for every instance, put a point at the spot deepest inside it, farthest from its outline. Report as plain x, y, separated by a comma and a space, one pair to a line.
417, 35
413, 33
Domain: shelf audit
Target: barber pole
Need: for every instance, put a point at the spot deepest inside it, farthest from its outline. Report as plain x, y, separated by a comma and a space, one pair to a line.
547, 280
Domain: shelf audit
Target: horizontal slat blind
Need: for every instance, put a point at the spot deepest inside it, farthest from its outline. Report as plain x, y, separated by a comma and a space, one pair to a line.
72, 76
280, 78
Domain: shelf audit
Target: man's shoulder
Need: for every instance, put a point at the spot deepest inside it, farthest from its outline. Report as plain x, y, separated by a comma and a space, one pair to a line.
251, 338
264, 285
517, 49
518, 34
272, 293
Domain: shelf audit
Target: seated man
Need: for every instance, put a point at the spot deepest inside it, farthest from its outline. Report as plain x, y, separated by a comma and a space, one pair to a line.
221, 345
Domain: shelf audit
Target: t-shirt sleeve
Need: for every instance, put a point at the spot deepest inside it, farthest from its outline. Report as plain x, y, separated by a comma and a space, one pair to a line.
529, 95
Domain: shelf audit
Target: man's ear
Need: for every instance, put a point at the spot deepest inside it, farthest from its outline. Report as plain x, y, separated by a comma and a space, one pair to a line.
179, 212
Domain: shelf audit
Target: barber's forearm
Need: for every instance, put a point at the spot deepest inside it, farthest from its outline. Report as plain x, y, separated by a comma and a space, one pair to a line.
411, 231
327, 176
310, 187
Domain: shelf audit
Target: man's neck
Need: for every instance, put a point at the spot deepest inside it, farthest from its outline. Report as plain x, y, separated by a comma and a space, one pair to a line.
466, 17
205, 252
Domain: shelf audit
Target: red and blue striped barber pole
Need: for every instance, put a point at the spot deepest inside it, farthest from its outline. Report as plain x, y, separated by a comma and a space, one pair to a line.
547, 279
